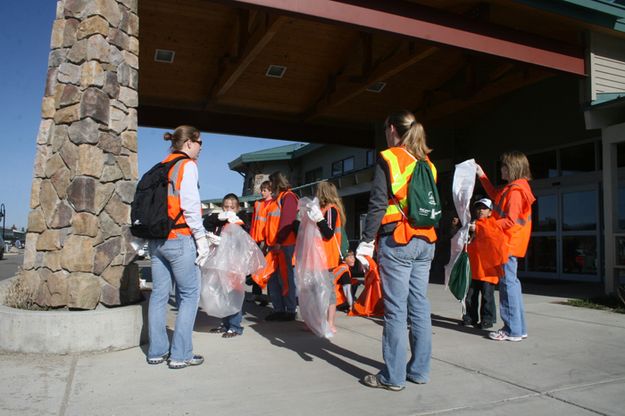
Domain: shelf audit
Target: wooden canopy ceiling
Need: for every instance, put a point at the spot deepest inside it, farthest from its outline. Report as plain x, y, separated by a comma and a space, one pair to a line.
223, 50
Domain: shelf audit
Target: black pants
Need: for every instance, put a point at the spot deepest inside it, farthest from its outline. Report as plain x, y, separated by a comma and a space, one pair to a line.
487, 310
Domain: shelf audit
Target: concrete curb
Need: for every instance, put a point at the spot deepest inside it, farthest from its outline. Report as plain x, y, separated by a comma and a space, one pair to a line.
65, 332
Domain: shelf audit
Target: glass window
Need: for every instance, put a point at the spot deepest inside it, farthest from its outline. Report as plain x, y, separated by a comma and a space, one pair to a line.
620, 215
337, 168
576, 159
620, 154
620, 251
348, 164
579, 211
541, 255
544, 213
370, 157
312, 175
579, 255
544, 165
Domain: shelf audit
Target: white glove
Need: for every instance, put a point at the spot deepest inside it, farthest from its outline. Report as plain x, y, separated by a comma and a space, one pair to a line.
314, 213
202, 250
229, 216
364, 249
213, 239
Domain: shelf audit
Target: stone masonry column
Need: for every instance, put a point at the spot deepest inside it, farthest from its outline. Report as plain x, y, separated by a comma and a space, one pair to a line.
85, 171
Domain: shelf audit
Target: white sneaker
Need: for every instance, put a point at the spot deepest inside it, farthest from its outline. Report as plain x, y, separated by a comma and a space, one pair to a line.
501, 335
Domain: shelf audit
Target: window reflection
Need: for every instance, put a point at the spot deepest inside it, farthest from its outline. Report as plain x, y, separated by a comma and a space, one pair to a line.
541, 254
579, 255
579, 211
620, 251
620, 215
576, 159
543, 165
544, 213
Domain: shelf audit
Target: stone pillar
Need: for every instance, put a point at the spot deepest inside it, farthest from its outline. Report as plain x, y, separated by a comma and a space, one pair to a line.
85, 171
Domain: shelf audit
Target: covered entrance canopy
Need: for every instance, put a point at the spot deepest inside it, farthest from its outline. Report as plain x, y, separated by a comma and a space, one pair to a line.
326, 71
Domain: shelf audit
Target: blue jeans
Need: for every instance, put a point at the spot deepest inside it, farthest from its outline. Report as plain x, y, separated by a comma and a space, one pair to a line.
233, 322
281, 303
511, 305
405, 272
173, 260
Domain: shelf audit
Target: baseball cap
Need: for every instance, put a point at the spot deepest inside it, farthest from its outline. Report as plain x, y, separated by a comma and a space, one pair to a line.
484, 201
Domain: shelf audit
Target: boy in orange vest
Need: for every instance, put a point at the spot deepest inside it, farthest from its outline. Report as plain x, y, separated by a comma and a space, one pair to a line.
258, 232
343, 282
486, 257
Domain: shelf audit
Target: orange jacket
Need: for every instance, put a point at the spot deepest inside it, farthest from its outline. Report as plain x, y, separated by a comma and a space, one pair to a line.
173, 197
370, 302
512, 209
259, 220
337, 272
274, 211
487, 251
332, 247
401, 165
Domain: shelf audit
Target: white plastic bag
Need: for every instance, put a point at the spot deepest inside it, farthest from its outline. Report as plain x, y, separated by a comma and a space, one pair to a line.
313, 281
223, 274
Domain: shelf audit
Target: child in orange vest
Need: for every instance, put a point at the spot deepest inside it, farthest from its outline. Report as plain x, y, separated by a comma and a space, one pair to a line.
329, 219
485, 256
230, 325
343, 282
258, 233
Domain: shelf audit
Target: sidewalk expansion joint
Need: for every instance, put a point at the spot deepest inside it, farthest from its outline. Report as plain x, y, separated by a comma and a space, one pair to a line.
68, 386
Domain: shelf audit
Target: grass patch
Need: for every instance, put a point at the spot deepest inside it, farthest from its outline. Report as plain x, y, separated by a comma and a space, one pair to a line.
18, 296
604, 303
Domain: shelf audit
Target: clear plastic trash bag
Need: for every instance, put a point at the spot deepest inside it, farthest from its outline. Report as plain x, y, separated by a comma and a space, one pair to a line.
313, 281
223, 274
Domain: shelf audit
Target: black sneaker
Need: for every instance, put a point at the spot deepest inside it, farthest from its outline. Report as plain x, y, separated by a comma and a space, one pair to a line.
486, 325
288, 316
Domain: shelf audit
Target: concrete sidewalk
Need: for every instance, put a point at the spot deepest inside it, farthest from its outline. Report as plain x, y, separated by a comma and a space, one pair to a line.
573, 363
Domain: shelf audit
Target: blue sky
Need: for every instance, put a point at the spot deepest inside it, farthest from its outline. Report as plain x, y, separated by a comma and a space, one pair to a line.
25, 41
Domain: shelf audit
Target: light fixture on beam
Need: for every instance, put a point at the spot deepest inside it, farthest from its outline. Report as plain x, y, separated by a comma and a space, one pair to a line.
376, 87
164, 56
275, 71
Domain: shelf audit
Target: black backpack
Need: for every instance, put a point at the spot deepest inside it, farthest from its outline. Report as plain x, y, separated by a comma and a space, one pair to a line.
148, 211
424, 204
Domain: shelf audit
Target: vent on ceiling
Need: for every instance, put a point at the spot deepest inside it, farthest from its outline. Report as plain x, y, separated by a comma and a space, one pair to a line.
275, 71
376, 87
163, 55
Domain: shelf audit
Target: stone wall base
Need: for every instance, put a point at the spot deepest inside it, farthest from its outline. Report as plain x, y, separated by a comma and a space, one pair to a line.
68, 332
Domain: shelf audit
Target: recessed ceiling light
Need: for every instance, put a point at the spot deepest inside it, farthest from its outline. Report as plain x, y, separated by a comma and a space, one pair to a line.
376, 87
165, 56
275, 71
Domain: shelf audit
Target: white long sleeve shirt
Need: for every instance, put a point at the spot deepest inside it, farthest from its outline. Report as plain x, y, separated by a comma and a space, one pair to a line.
190, 202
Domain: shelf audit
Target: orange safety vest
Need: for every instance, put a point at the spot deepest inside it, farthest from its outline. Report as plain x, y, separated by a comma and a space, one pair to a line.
259, 220
174, 211
274, 210
401, 165
370, 302
332, 246
339, 271
517, 236
487, 251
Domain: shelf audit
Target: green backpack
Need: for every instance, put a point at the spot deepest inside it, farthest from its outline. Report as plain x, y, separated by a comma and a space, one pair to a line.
424, 203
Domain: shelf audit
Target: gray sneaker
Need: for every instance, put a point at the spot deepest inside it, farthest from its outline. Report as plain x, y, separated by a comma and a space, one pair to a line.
195, 360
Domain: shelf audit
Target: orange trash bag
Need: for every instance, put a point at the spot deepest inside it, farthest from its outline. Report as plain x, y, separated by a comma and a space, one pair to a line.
275, 260
370, 302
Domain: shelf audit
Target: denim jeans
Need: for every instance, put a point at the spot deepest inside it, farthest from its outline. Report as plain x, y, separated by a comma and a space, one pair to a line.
404, 272
233, 322
281, 303
487, 309
173, 260
511, 300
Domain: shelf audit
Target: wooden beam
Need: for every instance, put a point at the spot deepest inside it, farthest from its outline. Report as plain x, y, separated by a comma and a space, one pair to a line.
254, 46
421, 22
245, 124
395, 64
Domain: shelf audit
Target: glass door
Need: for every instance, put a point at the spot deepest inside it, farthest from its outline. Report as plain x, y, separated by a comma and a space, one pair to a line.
565, 241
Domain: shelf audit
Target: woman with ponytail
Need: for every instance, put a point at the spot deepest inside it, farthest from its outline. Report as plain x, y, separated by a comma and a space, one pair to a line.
404, 256
174, 259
